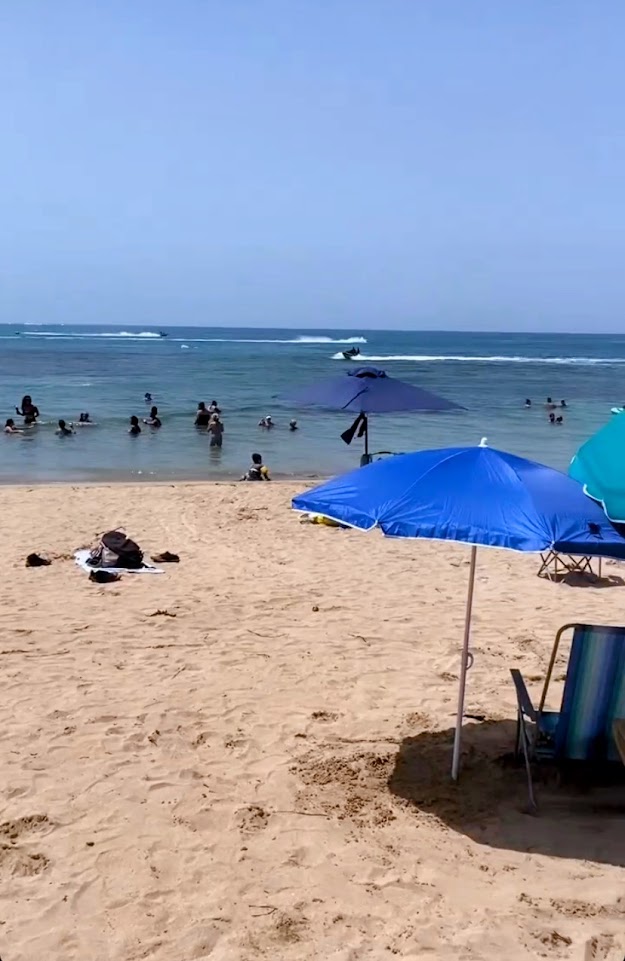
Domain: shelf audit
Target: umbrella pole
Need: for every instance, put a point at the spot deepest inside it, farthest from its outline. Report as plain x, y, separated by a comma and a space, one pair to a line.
465, 664
366, 435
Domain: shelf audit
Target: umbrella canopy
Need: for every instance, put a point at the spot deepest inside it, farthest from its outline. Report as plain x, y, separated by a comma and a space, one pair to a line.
599, 465
367, 390
475, 495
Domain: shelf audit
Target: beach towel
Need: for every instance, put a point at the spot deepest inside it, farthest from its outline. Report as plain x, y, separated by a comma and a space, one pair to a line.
81, 558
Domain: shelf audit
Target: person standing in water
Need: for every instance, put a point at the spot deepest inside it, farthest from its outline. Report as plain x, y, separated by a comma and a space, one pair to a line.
202, 416
216, 431
134, 430
29, 411
153, 420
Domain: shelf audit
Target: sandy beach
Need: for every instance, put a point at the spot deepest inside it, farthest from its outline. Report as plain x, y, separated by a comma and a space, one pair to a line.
247, 757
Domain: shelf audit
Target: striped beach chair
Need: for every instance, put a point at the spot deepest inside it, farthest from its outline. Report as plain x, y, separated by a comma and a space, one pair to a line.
593, 698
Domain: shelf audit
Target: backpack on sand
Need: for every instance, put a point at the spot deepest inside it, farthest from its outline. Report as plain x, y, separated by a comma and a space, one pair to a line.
116, 550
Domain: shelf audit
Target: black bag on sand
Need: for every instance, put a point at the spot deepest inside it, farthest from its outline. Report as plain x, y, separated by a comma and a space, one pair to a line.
104, 577
35, 560
116, 550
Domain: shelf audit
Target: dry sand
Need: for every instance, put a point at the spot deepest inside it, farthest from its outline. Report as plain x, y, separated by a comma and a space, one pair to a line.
248, 756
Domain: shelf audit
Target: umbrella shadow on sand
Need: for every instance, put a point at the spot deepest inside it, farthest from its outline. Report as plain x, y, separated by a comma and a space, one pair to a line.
489, 802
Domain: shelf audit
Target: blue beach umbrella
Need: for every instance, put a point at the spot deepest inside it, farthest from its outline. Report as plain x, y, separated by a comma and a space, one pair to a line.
367, 390
474, 495
599, 465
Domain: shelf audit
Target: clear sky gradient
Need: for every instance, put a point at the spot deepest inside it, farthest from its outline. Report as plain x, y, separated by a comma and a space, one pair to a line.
316, 163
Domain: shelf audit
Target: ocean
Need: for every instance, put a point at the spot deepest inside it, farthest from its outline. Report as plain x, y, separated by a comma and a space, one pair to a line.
106, 371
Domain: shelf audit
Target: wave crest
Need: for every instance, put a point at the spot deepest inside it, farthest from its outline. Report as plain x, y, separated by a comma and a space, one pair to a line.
490, 359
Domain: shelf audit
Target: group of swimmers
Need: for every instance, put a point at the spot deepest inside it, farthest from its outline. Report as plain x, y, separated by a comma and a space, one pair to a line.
551, 407
267, 423
206, 418
30, 412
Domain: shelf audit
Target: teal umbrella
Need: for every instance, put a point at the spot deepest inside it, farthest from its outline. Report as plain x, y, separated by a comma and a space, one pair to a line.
599, 465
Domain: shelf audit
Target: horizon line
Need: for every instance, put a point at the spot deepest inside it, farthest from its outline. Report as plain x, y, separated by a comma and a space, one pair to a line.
306, 330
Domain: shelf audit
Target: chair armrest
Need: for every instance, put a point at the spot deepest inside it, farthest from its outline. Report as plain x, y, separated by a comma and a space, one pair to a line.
522, 695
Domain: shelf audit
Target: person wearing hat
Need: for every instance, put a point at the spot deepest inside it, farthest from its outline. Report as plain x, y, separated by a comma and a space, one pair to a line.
293, 425
266, 422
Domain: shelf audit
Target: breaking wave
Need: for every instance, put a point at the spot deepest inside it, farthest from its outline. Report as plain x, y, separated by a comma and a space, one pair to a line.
259, 340
117, 333
491, 359
152, 335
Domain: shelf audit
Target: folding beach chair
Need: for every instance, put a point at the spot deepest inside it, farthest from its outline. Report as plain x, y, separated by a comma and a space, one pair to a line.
592, 699
555, 565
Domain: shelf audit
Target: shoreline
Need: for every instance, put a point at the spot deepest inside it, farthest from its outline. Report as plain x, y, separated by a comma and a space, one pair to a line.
279, 480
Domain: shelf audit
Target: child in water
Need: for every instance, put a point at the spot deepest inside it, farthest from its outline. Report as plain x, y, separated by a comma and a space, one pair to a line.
258, 471
63, 430
135, 430
10, 428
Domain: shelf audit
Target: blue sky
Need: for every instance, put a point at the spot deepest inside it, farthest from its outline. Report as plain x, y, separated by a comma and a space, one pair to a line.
350, 163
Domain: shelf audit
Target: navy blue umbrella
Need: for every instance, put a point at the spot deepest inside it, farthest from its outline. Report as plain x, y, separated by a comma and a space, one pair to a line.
475, 495
367, 390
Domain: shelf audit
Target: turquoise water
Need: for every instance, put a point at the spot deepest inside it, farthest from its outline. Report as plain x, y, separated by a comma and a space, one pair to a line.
107, 371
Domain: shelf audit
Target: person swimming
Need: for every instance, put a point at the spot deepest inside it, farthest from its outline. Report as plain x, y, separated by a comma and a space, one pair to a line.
560, 419
147, 397
266, 422
552, 418
528, 402
153, 420
134, 430
85, 420
214, 408
293, 425
63, 430
258, 471
562, 403
202, 416
10, 428
28, 411
550, 404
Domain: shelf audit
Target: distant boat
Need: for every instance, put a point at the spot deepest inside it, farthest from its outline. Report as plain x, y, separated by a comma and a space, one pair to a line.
351, 353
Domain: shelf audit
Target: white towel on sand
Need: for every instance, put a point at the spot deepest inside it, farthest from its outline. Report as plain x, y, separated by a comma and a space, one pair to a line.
81, 558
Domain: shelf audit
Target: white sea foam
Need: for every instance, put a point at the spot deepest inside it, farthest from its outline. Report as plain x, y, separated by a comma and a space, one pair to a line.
259, 340
490, 359
150, 334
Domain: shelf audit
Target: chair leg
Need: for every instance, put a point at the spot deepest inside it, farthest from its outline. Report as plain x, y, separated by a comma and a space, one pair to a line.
528, 767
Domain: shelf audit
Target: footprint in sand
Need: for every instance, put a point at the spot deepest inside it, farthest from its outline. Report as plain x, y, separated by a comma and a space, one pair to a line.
600, 948
251, 819
14, 862
13, 830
